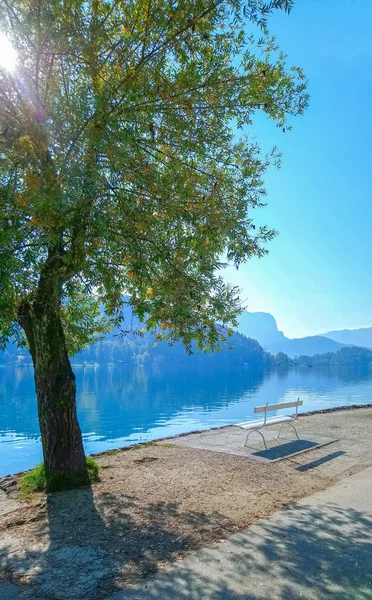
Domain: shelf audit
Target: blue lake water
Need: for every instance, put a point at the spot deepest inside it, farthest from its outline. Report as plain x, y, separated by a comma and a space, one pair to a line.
118, 406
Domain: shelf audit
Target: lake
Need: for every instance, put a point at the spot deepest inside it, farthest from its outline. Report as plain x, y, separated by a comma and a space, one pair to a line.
118, 406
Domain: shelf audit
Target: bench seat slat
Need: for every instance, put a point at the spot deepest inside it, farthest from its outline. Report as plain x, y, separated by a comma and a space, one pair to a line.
260, 422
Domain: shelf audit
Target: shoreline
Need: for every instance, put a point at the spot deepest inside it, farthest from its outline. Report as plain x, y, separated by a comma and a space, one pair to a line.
139, 445
195, 431
245, 367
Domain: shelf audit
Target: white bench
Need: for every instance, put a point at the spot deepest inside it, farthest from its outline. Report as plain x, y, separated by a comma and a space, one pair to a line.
281, 420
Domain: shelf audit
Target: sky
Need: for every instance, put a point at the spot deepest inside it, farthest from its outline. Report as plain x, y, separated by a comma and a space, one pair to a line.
318, 276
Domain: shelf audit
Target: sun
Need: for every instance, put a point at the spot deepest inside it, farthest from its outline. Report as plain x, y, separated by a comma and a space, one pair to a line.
8, 55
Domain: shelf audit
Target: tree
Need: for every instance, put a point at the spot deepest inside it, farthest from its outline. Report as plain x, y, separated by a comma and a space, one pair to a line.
282, 360
126, 167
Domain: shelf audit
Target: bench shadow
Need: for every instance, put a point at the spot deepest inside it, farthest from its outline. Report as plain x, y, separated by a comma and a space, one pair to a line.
320, 461
286, 449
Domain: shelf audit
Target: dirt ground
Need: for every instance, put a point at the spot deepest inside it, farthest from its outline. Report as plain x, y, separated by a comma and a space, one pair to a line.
156, 503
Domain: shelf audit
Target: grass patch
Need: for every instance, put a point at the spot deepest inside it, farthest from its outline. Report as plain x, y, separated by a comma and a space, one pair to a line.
93, 469
35, 480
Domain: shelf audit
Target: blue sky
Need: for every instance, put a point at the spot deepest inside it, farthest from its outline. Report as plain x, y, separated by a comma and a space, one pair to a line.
318, 274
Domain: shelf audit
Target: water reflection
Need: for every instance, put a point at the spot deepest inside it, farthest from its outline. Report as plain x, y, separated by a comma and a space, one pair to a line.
118, 406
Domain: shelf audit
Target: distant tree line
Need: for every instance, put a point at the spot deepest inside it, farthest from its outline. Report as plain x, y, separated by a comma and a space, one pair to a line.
135, 349
349, 356
240, 351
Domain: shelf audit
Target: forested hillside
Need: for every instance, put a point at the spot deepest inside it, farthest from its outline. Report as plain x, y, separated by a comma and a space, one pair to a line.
139, 349
346, 357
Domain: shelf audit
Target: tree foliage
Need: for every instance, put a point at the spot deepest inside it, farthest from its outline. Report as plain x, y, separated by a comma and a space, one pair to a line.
126, 162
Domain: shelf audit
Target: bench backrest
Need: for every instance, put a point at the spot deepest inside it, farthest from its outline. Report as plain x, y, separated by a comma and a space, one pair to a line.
268, 407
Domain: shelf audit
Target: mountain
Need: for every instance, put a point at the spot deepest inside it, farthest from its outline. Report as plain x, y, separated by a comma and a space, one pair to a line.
260, 326
353, 337
308, 346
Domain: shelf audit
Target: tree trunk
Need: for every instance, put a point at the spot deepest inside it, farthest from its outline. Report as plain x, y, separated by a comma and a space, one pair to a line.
64, 457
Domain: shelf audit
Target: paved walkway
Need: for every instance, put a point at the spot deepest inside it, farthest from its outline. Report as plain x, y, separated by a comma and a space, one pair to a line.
319, 549
350, 431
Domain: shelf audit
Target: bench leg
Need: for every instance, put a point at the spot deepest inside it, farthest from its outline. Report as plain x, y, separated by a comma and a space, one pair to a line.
291, 425
255, 431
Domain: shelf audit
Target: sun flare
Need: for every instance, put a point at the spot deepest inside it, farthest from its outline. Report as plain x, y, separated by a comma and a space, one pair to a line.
8, 55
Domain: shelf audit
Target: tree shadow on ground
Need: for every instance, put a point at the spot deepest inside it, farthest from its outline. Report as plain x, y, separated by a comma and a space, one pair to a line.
303, 552
314, 552
98, 545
